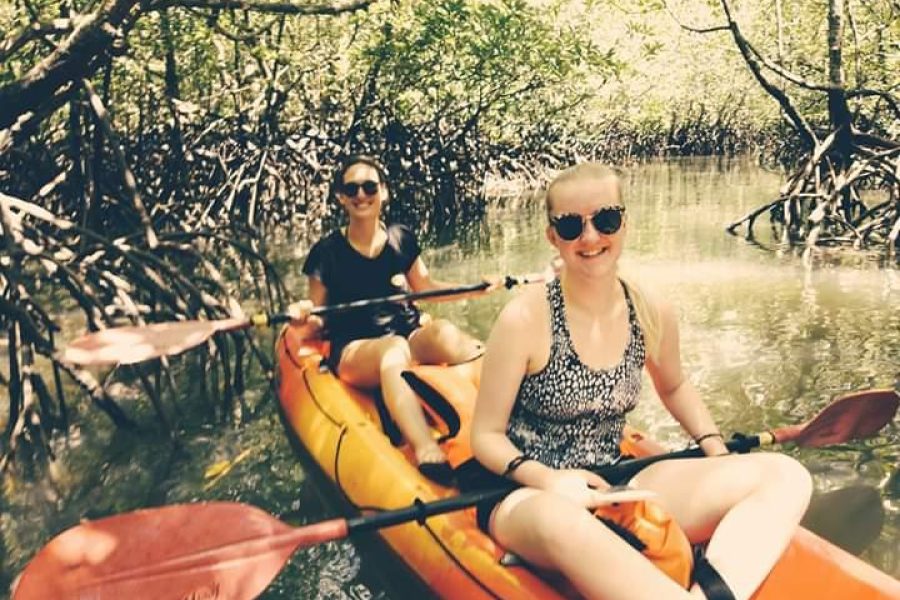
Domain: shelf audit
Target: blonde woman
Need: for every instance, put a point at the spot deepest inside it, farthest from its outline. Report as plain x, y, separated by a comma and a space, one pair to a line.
562, 368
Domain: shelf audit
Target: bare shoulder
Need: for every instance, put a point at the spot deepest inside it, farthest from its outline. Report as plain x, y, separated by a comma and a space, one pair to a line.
667, 311
524, 309
515, 339
654, 301
516, 327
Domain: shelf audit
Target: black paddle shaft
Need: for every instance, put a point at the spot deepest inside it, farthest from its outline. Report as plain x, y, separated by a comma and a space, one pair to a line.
419, 511
330, 309
626, 469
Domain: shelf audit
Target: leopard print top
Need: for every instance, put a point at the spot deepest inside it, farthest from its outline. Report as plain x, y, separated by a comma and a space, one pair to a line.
568, 415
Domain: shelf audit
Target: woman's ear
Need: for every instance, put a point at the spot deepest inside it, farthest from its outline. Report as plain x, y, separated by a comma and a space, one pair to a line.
551, 235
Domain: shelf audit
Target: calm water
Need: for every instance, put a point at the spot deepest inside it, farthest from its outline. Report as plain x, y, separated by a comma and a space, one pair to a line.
767, 338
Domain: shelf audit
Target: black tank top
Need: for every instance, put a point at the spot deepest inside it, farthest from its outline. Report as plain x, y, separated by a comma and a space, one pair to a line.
568, 415
348, 275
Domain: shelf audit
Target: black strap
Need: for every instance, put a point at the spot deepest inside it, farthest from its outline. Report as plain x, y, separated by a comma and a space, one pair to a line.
390, 428
709, 580
515, 464
436, 401
626, 534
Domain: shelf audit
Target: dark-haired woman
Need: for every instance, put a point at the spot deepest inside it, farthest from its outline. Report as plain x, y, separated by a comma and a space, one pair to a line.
372, 346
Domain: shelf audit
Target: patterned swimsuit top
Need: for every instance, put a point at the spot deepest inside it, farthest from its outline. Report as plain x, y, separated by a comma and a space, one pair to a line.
568, 415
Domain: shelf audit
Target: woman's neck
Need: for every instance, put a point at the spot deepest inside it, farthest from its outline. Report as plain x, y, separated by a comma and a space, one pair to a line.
366, 236
594, 295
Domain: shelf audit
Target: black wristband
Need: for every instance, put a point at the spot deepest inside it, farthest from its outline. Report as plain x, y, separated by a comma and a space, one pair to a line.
515, 464
706, 436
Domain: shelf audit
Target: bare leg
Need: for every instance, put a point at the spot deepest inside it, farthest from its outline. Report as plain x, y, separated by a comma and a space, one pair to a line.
381, 361
550, 531
749, 504
440, 341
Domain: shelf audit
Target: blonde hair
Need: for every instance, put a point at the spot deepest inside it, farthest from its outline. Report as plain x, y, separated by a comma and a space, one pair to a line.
586, 170
647, 312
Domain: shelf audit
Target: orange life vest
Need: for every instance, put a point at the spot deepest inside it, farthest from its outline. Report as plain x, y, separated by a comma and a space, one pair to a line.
654, 533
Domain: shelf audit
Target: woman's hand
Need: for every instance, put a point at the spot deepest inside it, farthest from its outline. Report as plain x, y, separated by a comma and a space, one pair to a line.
495, 282
299, 312
579, 485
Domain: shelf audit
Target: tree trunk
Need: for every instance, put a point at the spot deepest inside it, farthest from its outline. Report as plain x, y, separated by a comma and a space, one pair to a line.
838, 111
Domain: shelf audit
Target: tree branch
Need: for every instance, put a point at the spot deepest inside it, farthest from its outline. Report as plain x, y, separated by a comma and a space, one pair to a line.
284, 8
891, 101
28, 34
128, 178
75, 59
693, 29
743, 45
871, 139
782, 72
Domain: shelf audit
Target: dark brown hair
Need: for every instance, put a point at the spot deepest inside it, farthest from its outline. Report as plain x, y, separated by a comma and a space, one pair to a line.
358, 159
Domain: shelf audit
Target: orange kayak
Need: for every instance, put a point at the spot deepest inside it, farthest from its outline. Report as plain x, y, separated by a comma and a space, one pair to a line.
341, 428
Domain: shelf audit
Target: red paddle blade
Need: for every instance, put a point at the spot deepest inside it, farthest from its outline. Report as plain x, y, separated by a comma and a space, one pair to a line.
857, 415
128, 345
207, 550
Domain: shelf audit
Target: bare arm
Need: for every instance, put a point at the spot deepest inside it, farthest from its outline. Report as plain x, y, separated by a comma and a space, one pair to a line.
677, 392
420, 280
317, 292
505, 364
317, 295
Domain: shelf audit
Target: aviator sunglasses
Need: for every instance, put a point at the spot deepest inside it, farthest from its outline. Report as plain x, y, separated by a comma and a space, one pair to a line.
350, 189
570, 226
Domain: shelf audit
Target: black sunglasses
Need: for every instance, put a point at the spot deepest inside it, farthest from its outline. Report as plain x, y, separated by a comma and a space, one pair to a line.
350, 189
570, 226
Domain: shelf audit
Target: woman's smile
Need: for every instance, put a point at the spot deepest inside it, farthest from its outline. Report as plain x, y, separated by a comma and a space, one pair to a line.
592, 253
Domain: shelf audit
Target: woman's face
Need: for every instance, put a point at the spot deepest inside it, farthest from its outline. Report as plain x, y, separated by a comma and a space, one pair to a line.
361, 192
592, 253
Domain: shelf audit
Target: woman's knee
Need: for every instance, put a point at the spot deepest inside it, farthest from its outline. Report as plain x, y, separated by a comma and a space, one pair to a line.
437, 332
443, 342
786, 471
395, 352
546, 521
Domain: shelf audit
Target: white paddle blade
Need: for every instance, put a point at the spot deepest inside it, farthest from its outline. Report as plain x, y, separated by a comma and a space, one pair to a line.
133, 344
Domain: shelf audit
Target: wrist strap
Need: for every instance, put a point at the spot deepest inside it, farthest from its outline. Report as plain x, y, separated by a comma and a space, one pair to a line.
706, 436
514, 464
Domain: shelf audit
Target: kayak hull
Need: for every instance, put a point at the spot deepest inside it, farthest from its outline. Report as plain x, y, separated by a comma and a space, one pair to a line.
340, 428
